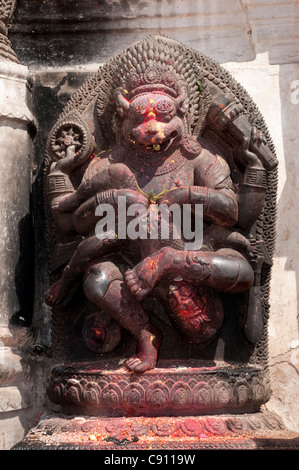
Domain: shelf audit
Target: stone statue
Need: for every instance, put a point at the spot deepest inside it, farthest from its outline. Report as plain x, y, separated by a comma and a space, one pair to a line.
167, 136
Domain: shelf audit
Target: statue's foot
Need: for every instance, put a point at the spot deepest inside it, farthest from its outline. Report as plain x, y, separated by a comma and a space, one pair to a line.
145, 275
59, 294
148, 346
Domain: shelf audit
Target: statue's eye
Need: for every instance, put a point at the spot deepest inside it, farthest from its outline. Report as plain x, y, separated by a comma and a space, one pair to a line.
137, 112
165, 107
138, 117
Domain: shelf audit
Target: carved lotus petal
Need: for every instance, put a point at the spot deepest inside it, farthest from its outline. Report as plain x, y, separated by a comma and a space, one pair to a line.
242, 392
134, 395
92, 394
111, 395
181, 395
258, 389
202, 394
73, 391
223, 393
157, 395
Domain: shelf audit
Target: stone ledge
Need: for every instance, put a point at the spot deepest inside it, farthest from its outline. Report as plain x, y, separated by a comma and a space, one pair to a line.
61, 432
14, 336
13, 370
14, 398
14, 71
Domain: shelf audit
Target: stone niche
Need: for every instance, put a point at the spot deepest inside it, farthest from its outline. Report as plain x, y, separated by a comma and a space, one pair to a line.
205, 390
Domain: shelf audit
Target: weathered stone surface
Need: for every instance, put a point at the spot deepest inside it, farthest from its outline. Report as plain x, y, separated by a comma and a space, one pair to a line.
16, 284
59, 432
12, 367
14, 398
277, 95
15, 219
226, 31
274, 27
214, 27
284, 370
14, 336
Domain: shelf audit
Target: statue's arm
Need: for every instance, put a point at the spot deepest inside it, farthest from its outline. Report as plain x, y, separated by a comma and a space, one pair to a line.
252, 188
212, 187
251, 153
59, 186
220, 206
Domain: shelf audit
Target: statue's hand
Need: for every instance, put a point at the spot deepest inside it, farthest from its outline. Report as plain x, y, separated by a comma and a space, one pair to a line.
132, 197
55, 204
257, 136
64, 165
73, 158
65, 203
180, 195
242, 153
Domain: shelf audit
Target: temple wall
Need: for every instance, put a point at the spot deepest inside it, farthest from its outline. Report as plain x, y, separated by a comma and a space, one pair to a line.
272, 87
256, 41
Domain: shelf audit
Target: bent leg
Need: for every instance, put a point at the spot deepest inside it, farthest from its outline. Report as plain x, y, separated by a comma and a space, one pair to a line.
88, 250
104, 286
224, 270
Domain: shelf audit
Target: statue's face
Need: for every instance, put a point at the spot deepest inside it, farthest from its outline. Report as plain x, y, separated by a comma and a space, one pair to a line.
152, 125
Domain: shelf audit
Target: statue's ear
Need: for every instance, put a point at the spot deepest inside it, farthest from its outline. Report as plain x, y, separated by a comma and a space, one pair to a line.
182, 101
122, 104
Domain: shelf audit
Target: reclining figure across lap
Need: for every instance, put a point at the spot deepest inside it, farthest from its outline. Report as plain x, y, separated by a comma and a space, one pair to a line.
158, 155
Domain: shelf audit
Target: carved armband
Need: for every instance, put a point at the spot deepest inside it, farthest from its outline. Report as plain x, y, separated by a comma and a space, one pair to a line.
59, 183
200, 195
199, 267
255, 177
106, 197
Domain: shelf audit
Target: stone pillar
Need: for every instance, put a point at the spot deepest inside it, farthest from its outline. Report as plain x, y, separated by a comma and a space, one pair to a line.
15, 262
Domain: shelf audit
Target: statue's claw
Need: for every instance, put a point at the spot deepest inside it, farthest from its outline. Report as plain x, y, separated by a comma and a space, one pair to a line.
59, 295
137, 285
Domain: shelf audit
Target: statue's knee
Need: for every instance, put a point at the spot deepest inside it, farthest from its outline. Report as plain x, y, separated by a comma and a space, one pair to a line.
246, 274
98, 280
244, 277
85, 248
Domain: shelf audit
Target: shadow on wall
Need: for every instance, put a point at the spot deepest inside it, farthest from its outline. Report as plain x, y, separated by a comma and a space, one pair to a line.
50, 92
24, 273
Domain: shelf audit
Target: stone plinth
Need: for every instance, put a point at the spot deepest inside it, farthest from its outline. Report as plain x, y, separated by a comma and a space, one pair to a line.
183, 389
62, 432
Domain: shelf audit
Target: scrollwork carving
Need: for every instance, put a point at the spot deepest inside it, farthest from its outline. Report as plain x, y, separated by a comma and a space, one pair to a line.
7, 9
161, 433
